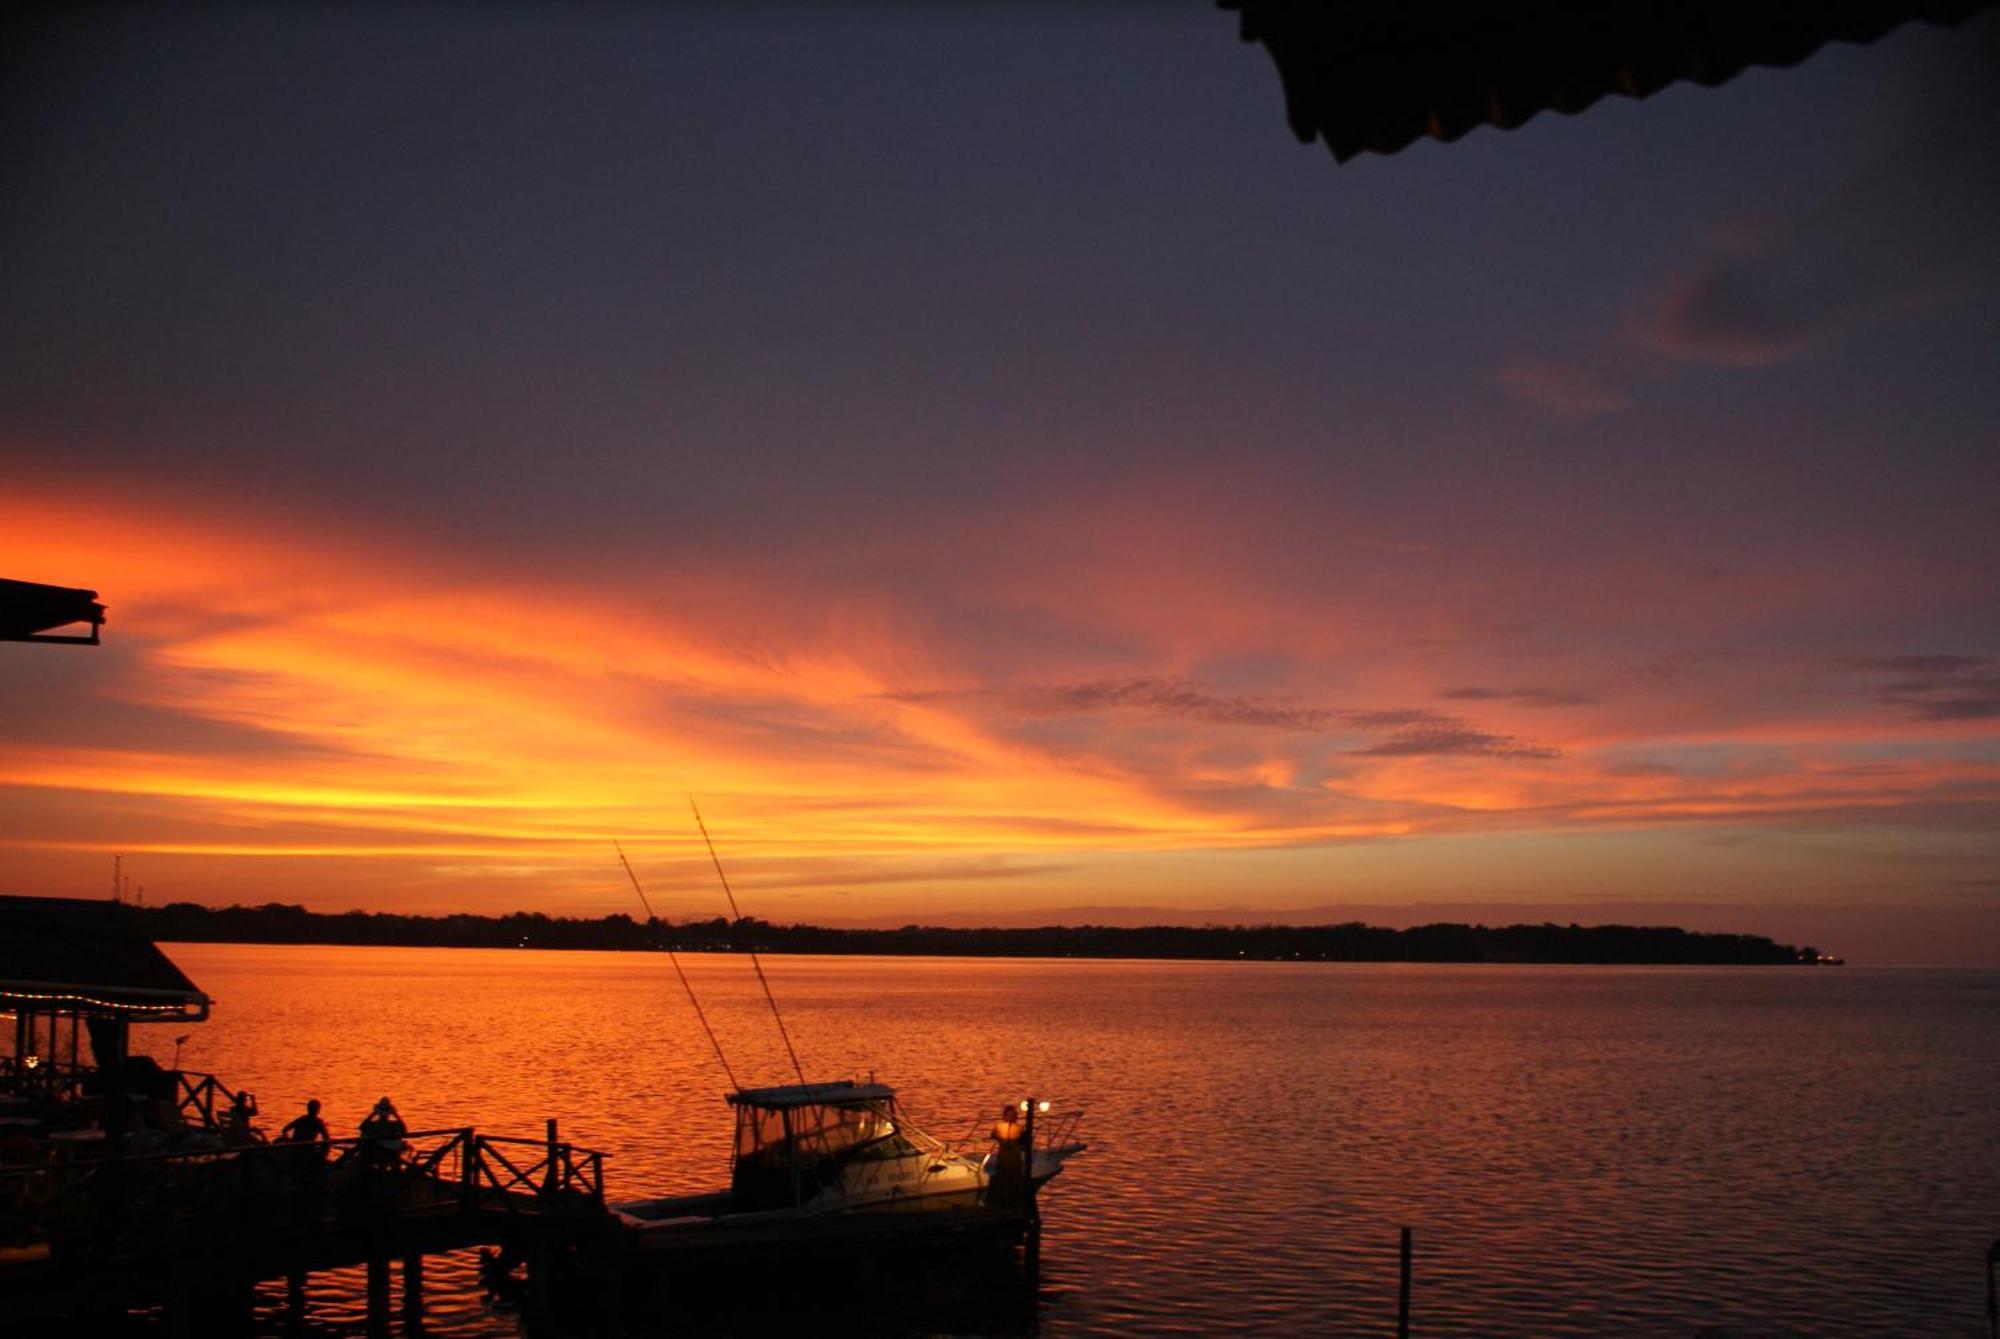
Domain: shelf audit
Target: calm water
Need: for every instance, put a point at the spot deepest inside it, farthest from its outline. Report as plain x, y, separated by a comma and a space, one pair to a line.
1580, 1151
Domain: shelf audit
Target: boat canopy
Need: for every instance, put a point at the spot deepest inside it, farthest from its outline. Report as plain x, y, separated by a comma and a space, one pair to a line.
812, 1094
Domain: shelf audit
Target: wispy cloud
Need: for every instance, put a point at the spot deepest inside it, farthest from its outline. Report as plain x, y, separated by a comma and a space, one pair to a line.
1177, 698
1457, 741
1919, 664
1414, 732
331, 722
1566, 388
1937, 687
1182, 699
1911, 228
1530, 697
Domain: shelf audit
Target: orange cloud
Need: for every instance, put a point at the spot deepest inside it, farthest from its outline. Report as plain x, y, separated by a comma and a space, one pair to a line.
313, 695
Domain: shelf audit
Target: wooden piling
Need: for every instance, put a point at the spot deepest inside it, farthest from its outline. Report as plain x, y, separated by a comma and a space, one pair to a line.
178, 1308
1992, 1291
1403, 1292
378, 1296
295, 1299
413, 1292
221, 1306
538, 1279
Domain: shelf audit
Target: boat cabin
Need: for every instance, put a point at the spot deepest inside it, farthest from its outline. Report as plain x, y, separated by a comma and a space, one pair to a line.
794, 1142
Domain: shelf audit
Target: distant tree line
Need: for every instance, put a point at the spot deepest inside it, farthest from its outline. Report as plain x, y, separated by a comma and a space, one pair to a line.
277, 923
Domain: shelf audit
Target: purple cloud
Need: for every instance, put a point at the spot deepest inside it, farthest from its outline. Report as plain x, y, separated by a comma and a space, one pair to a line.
1531, 697
1937, 687
1454, 741
1910, 230
1566, 389
1411, 731
1174, 697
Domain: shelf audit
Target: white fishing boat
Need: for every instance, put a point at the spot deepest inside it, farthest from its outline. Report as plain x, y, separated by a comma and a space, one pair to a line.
823, 1172
835, 1164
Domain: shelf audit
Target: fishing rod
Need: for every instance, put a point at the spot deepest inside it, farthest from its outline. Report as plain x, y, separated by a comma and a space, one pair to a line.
674, 958
758, 966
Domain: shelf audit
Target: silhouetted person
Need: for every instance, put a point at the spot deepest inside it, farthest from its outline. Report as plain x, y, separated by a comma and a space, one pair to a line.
308, 1137
238, 1129
306, 1129
1008, 1188
384, 1130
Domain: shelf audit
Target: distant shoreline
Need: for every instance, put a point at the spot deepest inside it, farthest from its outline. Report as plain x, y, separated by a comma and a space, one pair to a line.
1599, 945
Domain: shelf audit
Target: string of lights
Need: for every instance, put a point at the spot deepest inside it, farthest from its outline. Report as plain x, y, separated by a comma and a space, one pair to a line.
92, 1001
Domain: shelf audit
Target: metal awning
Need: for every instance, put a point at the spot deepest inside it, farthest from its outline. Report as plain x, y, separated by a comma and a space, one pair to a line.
28, 610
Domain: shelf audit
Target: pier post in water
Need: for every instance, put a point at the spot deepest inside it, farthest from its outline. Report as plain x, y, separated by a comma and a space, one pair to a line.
295, 1299
1403, 1292
1992, 1291
378, 1296
413, 1292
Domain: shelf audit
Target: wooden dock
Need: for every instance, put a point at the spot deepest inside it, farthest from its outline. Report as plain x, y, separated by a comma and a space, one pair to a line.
128, 1184
193, 1231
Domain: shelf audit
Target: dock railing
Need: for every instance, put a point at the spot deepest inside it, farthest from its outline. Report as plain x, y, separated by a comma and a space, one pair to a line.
201, 1101
44, 1080
1053, 1129
73, 1198
562, 1175
195, 1097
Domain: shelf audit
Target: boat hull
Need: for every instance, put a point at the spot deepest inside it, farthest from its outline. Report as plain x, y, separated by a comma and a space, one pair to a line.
948, 1217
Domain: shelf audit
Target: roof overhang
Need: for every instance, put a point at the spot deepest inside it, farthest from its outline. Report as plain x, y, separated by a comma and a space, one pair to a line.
79, 956
1374, 78
28, 610
135, 1006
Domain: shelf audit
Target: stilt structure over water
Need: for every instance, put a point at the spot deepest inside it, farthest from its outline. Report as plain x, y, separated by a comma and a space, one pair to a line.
127, 1184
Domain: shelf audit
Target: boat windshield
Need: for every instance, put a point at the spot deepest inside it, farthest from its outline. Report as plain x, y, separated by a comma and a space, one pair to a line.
815, 1130
783, 1153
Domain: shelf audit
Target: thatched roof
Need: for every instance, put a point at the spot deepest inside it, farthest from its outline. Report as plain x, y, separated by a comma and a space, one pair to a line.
1375, 77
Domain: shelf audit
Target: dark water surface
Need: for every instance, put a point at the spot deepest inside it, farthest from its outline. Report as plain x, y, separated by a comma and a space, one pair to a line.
1581, 1151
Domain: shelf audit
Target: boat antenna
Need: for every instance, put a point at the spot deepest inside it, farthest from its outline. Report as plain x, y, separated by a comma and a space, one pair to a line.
758, 966
674, 958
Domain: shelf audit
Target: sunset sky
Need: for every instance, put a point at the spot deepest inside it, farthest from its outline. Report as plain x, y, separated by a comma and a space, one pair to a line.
998, 472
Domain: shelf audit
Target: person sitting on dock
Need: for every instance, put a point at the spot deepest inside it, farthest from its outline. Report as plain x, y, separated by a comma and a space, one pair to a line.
1007, 1188
306, 1129
384, 1130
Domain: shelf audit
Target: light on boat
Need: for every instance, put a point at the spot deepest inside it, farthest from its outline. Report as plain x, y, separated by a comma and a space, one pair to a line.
1024, 1104
1043, 1107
